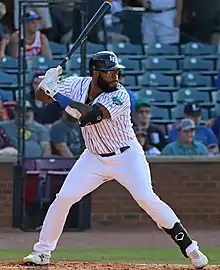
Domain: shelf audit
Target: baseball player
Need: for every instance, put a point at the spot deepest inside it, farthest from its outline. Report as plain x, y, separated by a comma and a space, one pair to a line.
102, 107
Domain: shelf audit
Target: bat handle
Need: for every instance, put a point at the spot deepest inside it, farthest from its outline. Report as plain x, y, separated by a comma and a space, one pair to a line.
63, 62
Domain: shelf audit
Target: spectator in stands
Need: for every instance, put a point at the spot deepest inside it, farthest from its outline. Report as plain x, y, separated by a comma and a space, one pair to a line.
45, 113
113, 19
203, 134
36, 43
43, 10
142, 119
161, 21
199, 15
214, 124
37, 138
112, 31
62, 31
6, 147
66, 137
131, 93
143, 140
5, 36
4, 115
185, 144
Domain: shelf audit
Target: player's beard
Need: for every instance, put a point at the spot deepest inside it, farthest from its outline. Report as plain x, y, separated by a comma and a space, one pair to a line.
102, 84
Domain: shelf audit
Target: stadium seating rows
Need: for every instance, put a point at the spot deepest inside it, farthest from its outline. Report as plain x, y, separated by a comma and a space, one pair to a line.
167, 75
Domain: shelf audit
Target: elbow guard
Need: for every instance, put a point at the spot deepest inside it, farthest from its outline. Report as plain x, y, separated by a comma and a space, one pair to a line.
94, 117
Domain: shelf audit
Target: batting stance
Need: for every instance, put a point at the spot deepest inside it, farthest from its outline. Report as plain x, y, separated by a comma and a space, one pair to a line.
102, 106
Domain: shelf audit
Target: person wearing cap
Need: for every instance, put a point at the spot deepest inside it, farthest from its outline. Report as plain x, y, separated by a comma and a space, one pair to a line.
142, 138
143, 120
186, 144
36, 43
37, 137
203, 134
131, 94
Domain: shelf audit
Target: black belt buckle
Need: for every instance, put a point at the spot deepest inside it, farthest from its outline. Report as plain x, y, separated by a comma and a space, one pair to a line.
122, 149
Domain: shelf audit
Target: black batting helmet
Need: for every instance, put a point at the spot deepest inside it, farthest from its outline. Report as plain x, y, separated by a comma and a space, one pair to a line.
104, 61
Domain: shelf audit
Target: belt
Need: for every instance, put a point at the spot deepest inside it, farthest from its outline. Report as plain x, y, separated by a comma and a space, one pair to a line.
159, 10
119, 151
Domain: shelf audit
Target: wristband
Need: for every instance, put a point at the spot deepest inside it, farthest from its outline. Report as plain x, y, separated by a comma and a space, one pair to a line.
62, 100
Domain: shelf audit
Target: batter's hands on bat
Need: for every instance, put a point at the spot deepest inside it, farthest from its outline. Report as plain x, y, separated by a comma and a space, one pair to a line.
53, 73
49, 82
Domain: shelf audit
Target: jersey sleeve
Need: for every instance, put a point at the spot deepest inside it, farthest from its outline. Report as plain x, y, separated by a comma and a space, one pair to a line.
117, 103
74, 87
65, 87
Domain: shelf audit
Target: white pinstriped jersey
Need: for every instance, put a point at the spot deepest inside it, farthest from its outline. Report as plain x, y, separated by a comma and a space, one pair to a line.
110, 134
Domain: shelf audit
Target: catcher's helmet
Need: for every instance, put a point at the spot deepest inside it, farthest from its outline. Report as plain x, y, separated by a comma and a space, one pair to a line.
104, 61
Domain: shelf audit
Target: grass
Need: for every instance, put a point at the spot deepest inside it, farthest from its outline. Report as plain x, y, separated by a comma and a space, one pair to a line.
127, 255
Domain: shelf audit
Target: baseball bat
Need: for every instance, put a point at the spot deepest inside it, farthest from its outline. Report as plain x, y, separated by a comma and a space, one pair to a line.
100, 13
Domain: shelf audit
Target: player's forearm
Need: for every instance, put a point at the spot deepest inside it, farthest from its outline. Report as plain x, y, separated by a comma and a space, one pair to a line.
74, 108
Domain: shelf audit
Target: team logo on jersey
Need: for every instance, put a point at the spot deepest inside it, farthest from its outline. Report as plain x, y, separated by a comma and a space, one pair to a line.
117, 100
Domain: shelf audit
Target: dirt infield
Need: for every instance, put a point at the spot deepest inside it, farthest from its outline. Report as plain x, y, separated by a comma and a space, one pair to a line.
98, 266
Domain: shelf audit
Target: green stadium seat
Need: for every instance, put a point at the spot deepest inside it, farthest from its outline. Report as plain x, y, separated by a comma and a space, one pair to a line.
193, 79
75, 63
196, 48
42, 62
7, 79
94, 48
161, 49
155, 78
156, 97
197, 63
130, 64
163, 64
129, 81
58, 49
6, 95
188, 95
177, 112
160, 63
126, 48
216, 111
9, 64
159, 113
216, 96
91, 48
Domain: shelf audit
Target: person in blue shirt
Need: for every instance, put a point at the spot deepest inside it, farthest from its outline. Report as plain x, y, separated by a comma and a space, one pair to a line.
132, 96
203, 134
215, 126
185, 145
